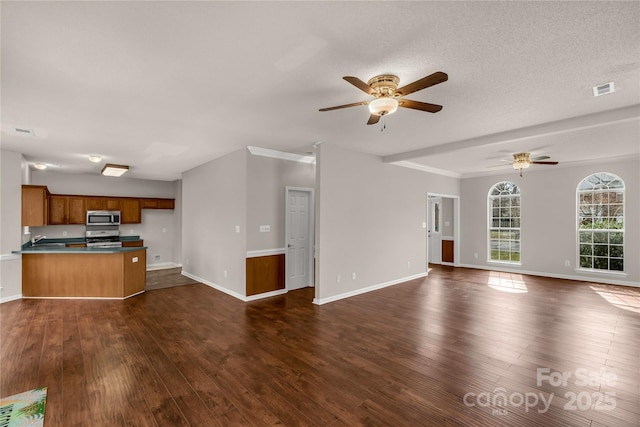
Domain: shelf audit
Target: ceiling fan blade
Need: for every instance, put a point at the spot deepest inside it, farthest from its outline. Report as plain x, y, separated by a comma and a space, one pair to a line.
423, 83
373, 119
355, 104
544, 163
540, 158
359, 84
417, 105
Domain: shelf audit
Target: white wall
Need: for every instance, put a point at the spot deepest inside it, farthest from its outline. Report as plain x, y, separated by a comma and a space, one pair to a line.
266, 181
11, 171
369, 221
549, 235
160, 229
214, 202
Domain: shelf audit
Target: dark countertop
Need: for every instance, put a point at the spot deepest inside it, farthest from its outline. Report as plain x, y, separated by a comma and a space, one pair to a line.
56, 246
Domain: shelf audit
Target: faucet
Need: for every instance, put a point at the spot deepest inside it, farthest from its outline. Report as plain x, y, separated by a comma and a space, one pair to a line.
37, 239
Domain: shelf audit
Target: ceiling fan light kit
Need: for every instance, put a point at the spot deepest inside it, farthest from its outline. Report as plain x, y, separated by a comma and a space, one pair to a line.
523, 161
383, 106
388, 97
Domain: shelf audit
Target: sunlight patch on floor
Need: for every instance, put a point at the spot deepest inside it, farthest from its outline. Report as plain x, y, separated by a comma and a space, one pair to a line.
507, 282
626, 299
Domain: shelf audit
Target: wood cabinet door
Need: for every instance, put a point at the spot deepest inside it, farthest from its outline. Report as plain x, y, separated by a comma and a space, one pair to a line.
96, 204
58, 210
166, 203
77, 210
113, 204
133, 243
35, 205
131, 213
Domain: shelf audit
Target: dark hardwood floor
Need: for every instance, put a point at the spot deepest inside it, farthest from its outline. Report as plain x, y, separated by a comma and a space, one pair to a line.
445, 350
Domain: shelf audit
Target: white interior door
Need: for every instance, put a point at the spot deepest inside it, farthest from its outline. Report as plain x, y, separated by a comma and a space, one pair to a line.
434, 232
299, 229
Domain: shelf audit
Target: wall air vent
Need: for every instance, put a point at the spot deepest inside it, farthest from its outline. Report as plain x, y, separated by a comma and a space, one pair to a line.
603, 89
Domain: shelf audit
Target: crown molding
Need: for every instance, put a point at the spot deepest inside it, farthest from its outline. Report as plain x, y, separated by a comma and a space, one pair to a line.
274, 154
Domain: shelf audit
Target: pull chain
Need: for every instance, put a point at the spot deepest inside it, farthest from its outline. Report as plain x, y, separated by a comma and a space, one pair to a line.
383, 126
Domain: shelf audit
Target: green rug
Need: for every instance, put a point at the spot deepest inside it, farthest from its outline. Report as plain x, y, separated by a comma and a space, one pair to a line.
24, 409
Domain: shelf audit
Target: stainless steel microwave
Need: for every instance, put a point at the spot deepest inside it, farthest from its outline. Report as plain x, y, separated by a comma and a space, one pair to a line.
103, 217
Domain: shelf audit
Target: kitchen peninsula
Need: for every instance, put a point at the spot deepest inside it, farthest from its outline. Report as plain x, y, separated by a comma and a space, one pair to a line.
58, 268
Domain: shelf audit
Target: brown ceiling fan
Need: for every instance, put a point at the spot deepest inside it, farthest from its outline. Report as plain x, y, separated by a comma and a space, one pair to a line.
523, 161
388, 97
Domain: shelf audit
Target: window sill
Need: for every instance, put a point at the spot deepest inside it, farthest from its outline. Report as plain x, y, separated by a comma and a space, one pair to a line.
493, 261
603, 272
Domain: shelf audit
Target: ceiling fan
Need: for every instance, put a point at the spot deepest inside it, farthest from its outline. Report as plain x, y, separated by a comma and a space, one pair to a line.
523, 161
388, 97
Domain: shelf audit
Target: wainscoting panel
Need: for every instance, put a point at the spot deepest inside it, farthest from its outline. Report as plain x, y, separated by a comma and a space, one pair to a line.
265, 274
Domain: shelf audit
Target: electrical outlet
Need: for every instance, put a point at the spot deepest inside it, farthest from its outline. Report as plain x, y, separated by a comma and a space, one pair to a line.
424, 225
64, 233
226, 274
237, 228
134, 259
164, 229
567, 263
475, 255
353, 276
408, 264
338, 278
156, 257
265, 228
187, 260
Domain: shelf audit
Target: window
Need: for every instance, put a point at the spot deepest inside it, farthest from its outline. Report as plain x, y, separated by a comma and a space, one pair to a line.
601, 222
504, 223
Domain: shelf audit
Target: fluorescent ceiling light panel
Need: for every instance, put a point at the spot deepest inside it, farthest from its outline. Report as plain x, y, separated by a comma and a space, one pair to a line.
114, 170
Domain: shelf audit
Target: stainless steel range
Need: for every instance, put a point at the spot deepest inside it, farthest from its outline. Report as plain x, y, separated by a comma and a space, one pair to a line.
103, 236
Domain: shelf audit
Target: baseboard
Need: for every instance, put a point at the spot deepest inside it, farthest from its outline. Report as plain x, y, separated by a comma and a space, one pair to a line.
162, 266
215, 286
553, 275
10, 298
265, 295
320, 301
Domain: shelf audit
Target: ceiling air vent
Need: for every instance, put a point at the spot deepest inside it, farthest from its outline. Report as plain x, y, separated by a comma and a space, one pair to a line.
603, 89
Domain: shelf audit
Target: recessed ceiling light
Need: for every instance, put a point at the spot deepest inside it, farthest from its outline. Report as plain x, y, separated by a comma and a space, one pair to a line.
40, 166
114, 170
95, 159
603, 89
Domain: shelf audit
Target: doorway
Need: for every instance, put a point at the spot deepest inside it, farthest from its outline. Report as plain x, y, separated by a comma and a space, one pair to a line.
443, 229
299, 238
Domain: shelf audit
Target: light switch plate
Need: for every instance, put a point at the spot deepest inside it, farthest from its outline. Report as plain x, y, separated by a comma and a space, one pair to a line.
265, 228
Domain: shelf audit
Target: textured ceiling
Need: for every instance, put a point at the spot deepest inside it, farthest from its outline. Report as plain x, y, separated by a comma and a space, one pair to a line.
166, 86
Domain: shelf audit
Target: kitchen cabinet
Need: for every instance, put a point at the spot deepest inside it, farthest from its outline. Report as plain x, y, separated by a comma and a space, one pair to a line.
66, 209
84, 274
58, 210
131, 213
40, 208
35, 205
132, 243
76, 245
155, 203
77, 210
100, 203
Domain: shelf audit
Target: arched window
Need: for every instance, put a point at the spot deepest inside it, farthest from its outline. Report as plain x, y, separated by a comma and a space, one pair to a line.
601, 222
504, 223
